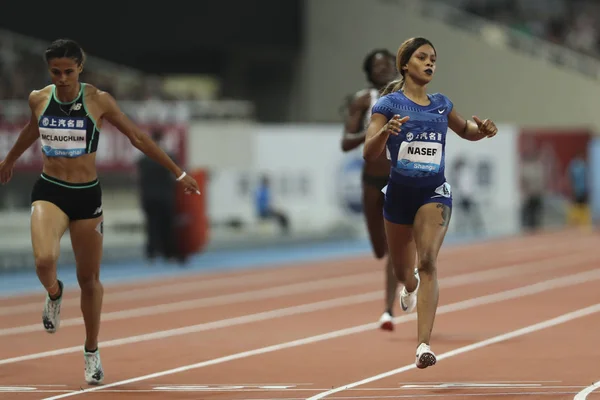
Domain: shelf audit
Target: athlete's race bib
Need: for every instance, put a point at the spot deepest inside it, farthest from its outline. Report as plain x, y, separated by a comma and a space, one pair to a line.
63, 137
420, 156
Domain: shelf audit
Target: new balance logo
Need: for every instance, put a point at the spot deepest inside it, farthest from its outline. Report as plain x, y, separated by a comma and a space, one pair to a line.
76, 107
100, 228
98, 210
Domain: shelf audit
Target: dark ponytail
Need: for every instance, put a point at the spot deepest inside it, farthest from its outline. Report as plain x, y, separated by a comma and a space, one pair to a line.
393, 86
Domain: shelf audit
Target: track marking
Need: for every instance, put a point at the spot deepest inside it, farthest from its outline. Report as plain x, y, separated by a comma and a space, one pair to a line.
290, 384
461, 305
459, 280
583, 312
289, 388
466, 385
16, 389
223, 323
260, 294
306, 287
585, 392
235, 388
462, 396
451, 387
35, 388
441, 383
125, 292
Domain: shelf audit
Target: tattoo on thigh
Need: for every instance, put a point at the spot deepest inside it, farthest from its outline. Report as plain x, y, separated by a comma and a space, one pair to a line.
446, 211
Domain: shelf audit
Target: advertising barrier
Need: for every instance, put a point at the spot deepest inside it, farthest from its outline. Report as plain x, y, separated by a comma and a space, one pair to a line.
488, 179
319, 186
554, 152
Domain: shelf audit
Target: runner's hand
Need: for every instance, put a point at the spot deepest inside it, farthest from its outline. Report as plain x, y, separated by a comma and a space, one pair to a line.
486, 127
6, 171
189, 184
393, 126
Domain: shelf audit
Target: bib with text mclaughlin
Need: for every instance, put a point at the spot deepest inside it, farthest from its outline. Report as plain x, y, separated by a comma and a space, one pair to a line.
63, 137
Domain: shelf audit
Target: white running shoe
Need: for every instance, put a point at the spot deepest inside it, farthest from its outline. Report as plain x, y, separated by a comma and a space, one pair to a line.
408, 301
386, 322
51, 313
94, 374
425, 357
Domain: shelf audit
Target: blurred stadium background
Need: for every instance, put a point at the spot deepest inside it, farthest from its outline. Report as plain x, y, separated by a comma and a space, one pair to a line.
242, 90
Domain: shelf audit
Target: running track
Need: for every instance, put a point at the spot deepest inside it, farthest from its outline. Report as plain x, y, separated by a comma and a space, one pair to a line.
518, 319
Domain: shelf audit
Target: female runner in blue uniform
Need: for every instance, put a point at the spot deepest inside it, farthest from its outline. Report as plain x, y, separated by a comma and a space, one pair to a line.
411, 125
67, 116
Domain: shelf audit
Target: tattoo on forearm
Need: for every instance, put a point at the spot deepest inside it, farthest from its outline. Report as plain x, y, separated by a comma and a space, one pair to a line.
446, 212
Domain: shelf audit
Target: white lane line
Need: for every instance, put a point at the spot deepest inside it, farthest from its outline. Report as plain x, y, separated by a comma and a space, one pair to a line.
261, 294
461, 305
514, 248
454, 281
583, 312
585, 392
307, 287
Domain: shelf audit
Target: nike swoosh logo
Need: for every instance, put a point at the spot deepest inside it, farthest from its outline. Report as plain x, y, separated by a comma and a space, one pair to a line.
441, 111
404, 307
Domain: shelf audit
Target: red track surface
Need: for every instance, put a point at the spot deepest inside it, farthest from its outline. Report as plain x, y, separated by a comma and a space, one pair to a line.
298, 332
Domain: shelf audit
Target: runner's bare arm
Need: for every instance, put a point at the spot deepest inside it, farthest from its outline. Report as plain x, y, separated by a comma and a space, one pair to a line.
30, 132
140, 140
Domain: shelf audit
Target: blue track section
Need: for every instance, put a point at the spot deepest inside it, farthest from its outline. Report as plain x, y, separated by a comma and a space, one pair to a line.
24, 281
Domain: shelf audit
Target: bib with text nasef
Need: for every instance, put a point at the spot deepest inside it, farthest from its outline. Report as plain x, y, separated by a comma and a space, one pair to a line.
420, 156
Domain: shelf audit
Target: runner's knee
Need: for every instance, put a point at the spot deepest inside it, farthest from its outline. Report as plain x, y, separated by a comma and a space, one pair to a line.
45, 262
